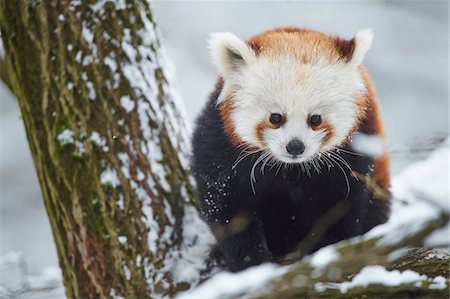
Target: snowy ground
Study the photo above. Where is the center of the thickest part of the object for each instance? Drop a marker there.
(408, 63)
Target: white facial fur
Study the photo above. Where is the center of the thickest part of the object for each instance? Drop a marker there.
(266, 84)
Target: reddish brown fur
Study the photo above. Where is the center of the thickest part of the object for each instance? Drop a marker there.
(226, 109)
(328, 131)
(373, 124)
(345, 48)
(263, 125)
(305, 44)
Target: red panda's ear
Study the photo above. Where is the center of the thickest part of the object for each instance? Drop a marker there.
(229, 52)
(363, 41)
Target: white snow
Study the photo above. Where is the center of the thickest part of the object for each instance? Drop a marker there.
(122, 240)
(369, 145)
(323, 257)
(17, 281)
(92, 94)
(2, 50)
(427, 179)
(439, 283)
(78, 56)
(10, 258)
(120, 202)
(371, 275)
(127, 272)
(420, 194)
(111, 62)
(109, 176)
(99, 140)
(197, 243)
(228, 285)
(89, 37)
(51, 277)
(99, 5)
(127, 103)
(152, 225)
(65, 137)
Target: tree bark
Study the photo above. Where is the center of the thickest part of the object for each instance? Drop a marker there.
(107, 137)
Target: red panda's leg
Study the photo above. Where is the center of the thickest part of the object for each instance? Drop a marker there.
(244, 246)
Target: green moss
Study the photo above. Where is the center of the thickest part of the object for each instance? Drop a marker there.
(360, 246)
(423, 261)
(381, 291)
(107, 186)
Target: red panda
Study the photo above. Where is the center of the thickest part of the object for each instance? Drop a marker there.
(272, 149)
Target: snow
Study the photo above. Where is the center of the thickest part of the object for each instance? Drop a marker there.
(92, 94)
(10, 258)
(323, 257)
(51, 277)
(153, 227)
(111, 62)
(65, 137)
(425, 200)
(127, 272)
(120, 202)
(109, 177)
(122, 240)
(433, 175)
(369, 145)
(16, 279)
(99, 5)
(438, 283)
(99, 140)
(2, 50)
(371, 275)
(197, 244)
(127, 103)
(229, 285)
(89, 38)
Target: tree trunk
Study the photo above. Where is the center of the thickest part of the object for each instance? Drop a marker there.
(107, 137)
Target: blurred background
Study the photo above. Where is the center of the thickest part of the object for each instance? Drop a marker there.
(408, 63)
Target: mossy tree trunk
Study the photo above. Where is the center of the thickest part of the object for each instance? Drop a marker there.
(107, 138)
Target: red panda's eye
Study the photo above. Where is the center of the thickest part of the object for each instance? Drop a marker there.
(315, 120)
(276, 119)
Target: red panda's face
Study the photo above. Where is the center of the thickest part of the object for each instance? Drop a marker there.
(290, 107)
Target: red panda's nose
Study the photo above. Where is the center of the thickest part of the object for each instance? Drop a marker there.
(295, 147)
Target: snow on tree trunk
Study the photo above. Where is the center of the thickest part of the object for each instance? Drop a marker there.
(108, 140)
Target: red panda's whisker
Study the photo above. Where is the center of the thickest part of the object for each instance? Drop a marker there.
(252, 172)
(344, 173)
(266, 155)
(349, 152)
(342, 160)
(242, 155)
